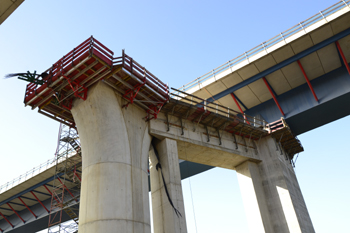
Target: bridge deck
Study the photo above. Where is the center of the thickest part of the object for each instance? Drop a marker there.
(275, 70)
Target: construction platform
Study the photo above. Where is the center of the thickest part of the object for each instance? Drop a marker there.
(71, 76)
(53, 93)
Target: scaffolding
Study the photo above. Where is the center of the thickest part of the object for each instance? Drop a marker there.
(65, 190)
(71, 77)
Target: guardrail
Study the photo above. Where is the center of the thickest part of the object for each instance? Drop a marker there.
(92, 47)
(142, 73)
(88, 47)
(267, 44)
(218, 109)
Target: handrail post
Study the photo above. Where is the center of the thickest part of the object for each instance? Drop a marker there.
(123, 57)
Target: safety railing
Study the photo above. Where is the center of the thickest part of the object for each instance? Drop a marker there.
(89, 47)
(268, 44)
(92, 47)
(218, 109)
(142, 73)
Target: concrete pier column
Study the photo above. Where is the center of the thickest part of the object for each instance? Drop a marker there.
(165, 219)
(115, 145)
(271, 194)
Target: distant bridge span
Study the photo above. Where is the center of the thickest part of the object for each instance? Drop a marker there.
(301, 74)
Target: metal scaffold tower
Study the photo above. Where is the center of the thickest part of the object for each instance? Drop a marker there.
(65, 190)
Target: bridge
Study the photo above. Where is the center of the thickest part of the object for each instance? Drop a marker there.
(199, 115)
(7, 7)
(300, 74)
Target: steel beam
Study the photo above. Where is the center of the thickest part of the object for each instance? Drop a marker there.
(42, 193)
(7, 220)
(30, 199)
(15, 212)
(39, 202)
(28, 190)
(342, 56)
(239, 107)
(1, 208)
(51, 193)
(65, 187)
(27, 207)
(273, 96)
(280, 65)
(308, 81)
(14, 203)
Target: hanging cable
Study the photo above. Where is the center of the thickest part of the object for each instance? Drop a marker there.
(165, 187)
(194, 214)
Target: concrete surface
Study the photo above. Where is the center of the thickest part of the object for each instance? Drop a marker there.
(165, 219)
(193, 145)
(271, 188)
(115, 144)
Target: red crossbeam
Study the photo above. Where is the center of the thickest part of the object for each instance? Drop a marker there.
(307, 80)
(65, 187)
(51, 193)
(27, 207)
(15, 212)
(7, 220)
(239, 107)
(273, 95)
(342, 56)
(39, 201)
(76, 174)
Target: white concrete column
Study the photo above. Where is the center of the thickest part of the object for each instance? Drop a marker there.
(165, 219)
(271, 194)
(115, 145)
(253, 196)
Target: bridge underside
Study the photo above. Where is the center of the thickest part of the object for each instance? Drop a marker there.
(303, 113)
(301, 74)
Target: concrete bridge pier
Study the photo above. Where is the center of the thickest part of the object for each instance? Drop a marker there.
(271, 194)
(164, 216)
(115, 144)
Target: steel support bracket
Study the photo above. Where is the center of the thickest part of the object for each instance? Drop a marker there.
(235, 141)
(218, 130)
(208, 137)
(245, 144)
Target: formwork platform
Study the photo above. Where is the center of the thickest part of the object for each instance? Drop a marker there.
(72, 75)
(197, 110)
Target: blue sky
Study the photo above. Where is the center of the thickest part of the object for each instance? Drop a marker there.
(177, 41)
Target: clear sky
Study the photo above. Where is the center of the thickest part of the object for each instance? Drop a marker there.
(178, 41)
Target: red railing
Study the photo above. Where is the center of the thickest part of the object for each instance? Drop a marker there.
(93, 48)
(89, 47)
(142, 73)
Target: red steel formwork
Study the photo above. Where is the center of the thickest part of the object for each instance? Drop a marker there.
(72, 75)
